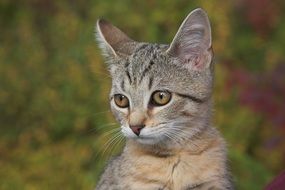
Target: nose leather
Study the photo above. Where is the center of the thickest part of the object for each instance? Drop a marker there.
(137, 129)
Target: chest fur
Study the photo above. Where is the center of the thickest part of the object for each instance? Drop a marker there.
(174, 172)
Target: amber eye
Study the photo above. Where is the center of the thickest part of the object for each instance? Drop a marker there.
(160, 98)
(121, 100)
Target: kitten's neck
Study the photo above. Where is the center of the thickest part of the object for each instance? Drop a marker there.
(194, 145)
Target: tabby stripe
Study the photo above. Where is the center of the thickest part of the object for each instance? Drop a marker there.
(195, 99)
(150, 82)
(135, 79)
(146, 70)
(142, 47)
(126, 65)
(123, 85)
(128, 75)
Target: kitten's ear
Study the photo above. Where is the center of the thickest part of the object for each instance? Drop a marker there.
(112, 40)
(192, 43)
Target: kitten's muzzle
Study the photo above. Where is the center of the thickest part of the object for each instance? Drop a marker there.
(137, 128)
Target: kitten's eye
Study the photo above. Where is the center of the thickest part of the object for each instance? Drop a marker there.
(121, 100)
(160, 98)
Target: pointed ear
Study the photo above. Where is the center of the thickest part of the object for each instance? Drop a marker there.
(112, 41)
(192, 43)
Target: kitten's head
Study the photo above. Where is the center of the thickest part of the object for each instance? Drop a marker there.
(160, 93)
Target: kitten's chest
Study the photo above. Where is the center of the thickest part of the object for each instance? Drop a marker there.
(173, 173)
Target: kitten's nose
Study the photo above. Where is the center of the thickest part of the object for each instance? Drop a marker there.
(137, 128)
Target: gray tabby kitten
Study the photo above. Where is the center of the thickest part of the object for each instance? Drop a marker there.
(161, 96)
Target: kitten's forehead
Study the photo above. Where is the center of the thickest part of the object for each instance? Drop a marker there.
(148, 50)
(151, 68)
(145, 57)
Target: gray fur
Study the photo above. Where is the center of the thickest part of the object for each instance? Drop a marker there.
(183, 68)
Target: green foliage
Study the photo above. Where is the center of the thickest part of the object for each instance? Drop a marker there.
(254, 175)
(54, 113)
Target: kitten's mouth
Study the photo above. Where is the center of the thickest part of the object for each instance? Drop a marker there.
(148, 139)
(146, 135)
(144, 138)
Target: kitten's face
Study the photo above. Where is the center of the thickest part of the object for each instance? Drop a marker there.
(161, 93)
(152, 92)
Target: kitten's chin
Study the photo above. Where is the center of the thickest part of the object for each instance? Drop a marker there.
(148, 141)
(144, 140)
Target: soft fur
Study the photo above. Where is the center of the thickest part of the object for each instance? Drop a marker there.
(178, 149)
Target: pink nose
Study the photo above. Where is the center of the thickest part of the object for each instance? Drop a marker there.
(137, 129)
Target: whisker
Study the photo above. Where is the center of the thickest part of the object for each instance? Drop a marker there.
(184, 135)
(116, 144)
(109, 132)
(93, 114)
(170, 137)
(174, 137)
(102, 127)
(99, 154)
(110, 143)
(101, 112)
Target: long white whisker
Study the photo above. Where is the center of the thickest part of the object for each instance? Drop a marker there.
(184, 135)
(174, 136)
(110, 142)
(112, 145)
(102, 127)
(115, 130)
(92, 115)
(117, 143)
(115, 133)
(171, 137)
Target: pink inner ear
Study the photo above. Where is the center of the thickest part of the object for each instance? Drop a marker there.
(196, 61)
(193, 61)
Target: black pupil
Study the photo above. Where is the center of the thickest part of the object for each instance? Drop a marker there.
(121, 98)
(161, 95)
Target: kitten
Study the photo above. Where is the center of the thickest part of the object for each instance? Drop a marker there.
(161, 96)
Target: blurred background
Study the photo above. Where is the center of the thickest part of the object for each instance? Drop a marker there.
(55, 122)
